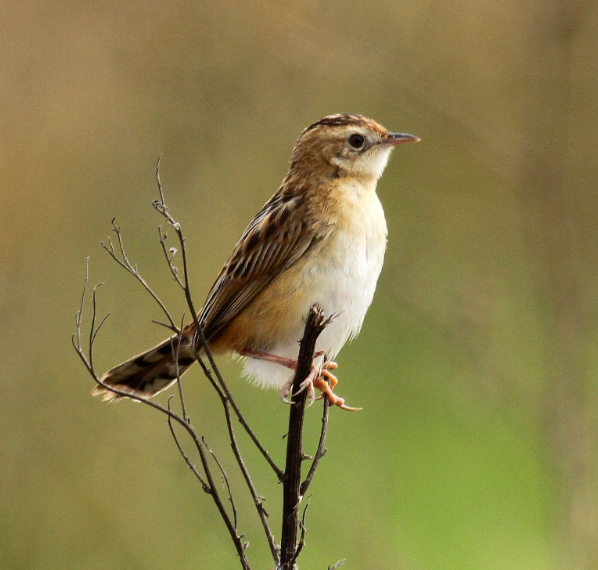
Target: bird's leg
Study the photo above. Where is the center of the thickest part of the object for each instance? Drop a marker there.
(287, 362)
(291, 363)
(285, 391)
(315, 378)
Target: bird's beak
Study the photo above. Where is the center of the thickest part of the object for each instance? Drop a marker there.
(399, 138)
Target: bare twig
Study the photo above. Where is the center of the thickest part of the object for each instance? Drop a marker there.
(169, 254)
(93, 331)
(162, 200)
(224, 480)
(191, 466)
(258, 501)
(284, 556)
(302, 528)
(166, 326)
(176, 351)
(208, 483)
(315, 321)
(219, 384)
(321, 451)
(126, 265)
(79, 314)
(292, 475)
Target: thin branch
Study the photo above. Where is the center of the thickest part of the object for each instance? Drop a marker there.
(292, 475)
(93, 331)
(286, 555)
(321, 451)
(257, 499)
(166, 326)
(191, 466)
(224, 480)
(303, 529)
(162, 200)
(218, 383)
(176, 351)
(126, 265)
(337, 565)
(169, 254)
(223, 391)
(209, 482)
(79, 314)
(93, 321)
(93, 338)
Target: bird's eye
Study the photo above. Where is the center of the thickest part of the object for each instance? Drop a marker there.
(356, 141)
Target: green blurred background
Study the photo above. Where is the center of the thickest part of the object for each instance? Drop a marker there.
(477, 364)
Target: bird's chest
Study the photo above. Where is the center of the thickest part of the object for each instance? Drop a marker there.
(347, 267)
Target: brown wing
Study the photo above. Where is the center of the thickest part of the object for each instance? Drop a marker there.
(276, 238)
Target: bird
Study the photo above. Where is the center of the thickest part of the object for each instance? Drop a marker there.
(321, 238)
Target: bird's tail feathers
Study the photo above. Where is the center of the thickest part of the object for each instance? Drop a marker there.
(149, 373)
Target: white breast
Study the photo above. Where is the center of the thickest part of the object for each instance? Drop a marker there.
(350, 277)
(342, 279)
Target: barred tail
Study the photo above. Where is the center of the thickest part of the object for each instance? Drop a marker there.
(148, 373)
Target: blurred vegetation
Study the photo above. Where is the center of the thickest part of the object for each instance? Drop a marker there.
(477, 365)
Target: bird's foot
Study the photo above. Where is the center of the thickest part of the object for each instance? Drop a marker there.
(319, 377)
(323, 380)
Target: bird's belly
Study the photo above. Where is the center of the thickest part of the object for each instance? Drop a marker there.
(344, 288)
(339, 274)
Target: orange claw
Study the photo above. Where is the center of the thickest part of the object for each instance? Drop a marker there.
(326, 389)
(332, 379)
(316, 380)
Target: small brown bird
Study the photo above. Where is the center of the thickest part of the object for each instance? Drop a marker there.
(320, 239)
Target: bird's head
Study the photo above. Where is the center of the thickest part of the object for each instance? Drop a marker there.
(346, 145)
